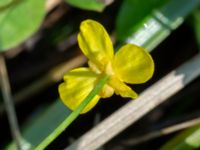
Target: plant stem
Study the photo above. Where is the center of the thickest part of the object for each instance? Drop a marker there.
(103, 80)
(7, 97)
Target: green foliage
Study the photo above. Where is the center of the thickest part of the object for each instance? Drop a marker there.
(4, 2)
(131, 13)
(19, 19)
(186, 140)
(87, 4)
(196, 25)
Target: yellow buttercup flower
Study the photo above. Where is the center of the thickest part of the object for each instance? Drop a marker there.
(131, 64)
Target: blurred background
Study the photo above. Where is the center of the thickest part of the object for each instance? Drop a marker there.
(38, 44)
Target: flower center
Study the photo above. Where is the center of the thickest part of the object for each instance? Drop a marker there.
(109, 69)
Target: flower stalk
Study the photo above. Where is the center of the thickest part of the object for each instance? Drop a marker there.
(98, 87)
(96, 90)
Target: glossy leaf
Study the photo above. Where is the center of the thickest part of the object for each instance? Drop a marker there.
(131, 13)
(19, 19)
(157, 25)
(149, 40)
(3, 3)
(188, 139)
(88, 4)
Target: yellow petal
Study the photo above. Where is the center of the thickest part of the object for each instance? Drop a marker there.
(78, 84)
(94, 67)
(95, 43)
(121, 88)
(133, 64)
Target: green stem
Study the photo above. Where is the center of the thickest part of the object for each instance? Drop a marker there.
(74, 114)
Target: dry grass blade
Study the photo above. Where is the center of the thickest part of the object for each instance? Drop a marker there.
(163, 131)
(8, 101)
(51, 4)
(134, 110)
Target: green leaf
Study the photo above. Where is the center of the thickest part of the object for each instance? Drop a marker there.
(160, 28)
(155, 26)
(196, 24)
(95, 5)
(19, 19)
(188, 139)
(131, 13)
(4, 2)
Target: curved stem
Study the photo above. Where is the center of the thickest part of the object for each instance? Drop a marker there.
(103, 80)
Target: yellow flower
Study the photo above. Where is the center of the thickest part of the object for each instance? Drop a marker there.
(131, 64)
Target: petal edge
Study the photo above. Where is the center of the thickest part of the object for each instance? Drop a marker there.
(95, 43)
(78, 84)
(133, 64)
(122, 89)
